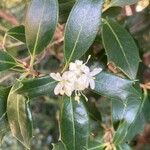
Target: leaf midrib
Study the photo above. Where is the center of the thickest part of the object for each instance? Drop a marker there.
(43, 85)
(121, 47)
(7, 62)
(39, 28)
(73, 124)
(78, 36)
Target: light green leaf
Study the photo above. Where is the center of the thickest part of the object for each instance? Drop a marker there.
(120, 48)
(6, 61)
(123, 147)
(4, 127)
(74, 125)
(18, 33)
(19, 116)
(81, 28)
(122, 2)
(37, 87)
(40, 23)
(95, 146)
(58, 146)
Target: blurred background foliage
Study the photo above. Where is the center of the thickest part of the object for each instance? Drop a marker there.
(45, 110)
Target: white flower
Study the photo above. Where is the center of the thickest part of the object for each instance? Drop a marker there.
(87, 79)
(78, 78)
(64, 86)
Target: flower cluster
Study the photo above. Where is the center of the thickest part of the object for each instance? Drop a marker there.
(77, 78)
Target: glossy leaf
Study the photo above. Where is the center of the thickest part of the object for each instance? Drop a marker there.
(40, 23)
(126, 102)
(81, 28)
(112, 86)
(120, 48)
(6, 61)
(4, 127)
(19, 116)
(122, 2)
(18, 33)
(132, 107)
(38, 86)
(74, 125)
(130, 115)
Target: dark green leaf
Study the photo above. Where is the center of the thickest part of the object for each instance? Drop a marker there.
(81, 28)
(38, 86)
(132, 107)
(40, 24)
(19, 116)
(6, 61)
(131, 118)
(120, 48)
(4, 127)
(64, 9)
(18, 33)
(122, 2)
(93, 111)
(126, 102)
(74, 125)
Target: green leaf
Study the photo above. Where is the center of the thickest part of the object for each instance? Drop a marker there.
(142, 118)
(132, 107)
(37, 87)
(40, 23)
(74, 125)
(19, 116)
(6, 61)
(123, 147)
(126, 102)
(64, 9)
(120, 48)
(129, 113)
(112, 86)
(81, 28)
(58, 146)
(94, 145)
(122, 2)
(18, 33)
(93, 112)
(4, 127)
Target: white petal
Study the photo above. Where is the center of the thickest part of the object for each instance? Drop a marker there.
(56, 76)
(69, 88)
(95, 71)
(92, 84)
(82, 83)
(79, 62)
(72, 66)
(85, 69)
(58, 88)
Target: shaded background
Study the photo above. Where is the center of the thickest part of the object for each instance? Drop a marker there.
(45, 110)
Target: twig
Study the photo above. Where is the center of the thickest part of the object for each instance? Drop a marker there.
(6, 77)
(145, 86)
(9, 17)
